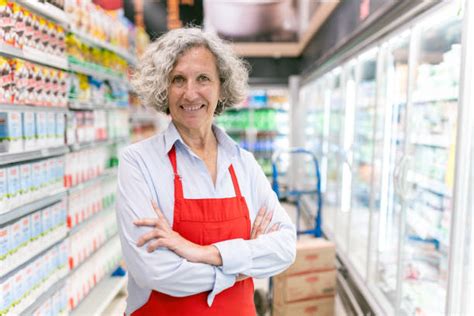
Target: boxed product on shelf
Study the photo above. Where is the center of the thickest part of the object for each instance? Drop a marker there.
(6, 80)
(313, 254)
(321, 307)
(29, 130)
(5, 239)
(311, 278)
(292, 288)
(13, 180)
(3, 189)
(11, 132)
(6, 294)
(41, 129)
(7, 30)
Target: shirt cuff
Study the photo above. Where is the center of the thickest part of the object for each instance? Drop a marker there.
(223, 281)
(236, 256)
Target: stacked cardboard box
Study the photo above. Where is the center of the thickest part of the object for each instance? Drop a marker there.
(308, 287)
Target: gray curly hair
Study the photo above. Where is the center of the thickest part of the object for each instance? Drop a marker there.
(151, 80)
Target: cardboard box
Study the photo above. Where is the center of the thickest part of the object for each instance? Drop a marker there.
(318, 307)
(313, 254)
(303, 286)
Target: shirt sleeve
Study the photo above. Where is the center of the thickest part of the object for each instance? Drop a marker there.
(161, 270)
(271, 253)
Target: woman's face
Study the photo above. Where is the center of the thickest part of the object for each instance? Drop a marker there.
(194, 89)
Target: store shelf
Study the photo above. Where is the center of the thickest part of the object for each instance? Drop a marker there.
(84, 223)
(46, 9)
(94, 73)
(30, 256)
(101, 296)
(35, 56)
(430, 99)
(8, 158)
(32, 108)
(250, 108)
(98, 43)
(43, 297)
(75, 105)
(88, 145)
(431, 141)
(108, 173)
(25, 209)
(429, 184)
(41, 57)
(10, 50)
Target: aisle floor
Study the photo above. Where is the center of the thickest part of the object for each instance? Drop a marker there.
(117, 307)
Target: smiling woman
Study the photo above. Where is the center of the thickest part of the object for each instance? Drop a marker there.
(194, 249)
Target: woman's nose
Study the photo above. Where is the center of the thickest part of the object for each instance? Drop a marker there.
(191, 91)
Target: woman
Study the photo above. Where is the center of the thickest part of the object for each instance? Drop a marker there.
(187, 197)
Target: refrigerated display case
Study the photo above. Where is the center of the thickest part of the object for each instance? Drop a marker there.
(335, 149)
(398, 207)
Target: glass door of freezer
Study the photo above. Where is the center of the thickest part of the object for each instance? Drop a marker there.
(432, 115)
(389, 153)
(332, 199)
(343, 214)
(363, 163)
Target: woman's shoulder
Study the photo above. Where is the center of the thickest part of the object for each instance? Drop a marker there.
(146, 147)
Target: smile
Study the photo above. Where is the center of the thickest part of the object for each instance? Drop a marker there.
(192, 108)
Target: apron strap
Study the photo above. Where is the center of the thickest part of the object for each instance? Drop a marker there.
(178, 185)
(234, 181)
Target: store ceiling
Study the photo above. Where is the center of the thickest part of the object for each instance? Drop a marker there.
(258, 28)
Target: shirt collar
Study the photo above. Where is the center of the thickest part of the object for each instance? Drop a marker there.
(171, 136)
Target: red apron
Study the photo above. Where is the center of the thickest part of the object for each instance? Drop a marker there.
(204, 222)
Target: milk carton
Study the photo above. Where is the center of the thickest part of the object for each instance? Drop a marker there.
(36, 225)
(13, 180)
(11, 132)
(25, 182)
(3, 190)
(41, 129)
(5, 242)
(29, 130)
(6, 294)
(60, 128)
(36, 177)
(50, 129)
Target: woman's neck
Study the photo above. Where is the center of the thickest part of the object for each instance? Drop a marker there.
(200, 141)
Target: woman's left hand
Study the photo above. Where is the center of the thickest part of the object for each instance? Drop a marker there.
(163, 235)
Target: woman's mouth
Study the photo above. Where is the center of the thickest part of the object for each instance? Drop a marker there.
(192, 108)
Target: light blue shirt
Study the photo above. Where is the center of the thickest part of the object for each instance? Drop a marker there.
(145, 173)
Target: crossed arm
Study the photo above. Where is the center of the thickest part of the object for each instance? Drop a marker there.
(162, 235)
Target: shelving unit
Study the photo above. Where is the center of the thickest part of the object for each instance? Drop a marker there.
(261, 124)
(101, 296)
(36, 298)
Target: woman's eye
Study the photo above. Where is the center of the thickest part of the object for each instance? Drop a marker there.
(178, 80)
(203, 78)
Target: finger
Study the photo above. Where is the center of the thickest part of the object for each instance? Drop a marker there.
(143, 239)
(266, 221)
(146, 222)
(274, 228)
(157, 210)
(257, 222)
(155, 244)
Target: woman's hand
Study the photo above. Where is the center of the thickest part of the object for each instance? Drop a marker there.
(261, 223)
(163, 235)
